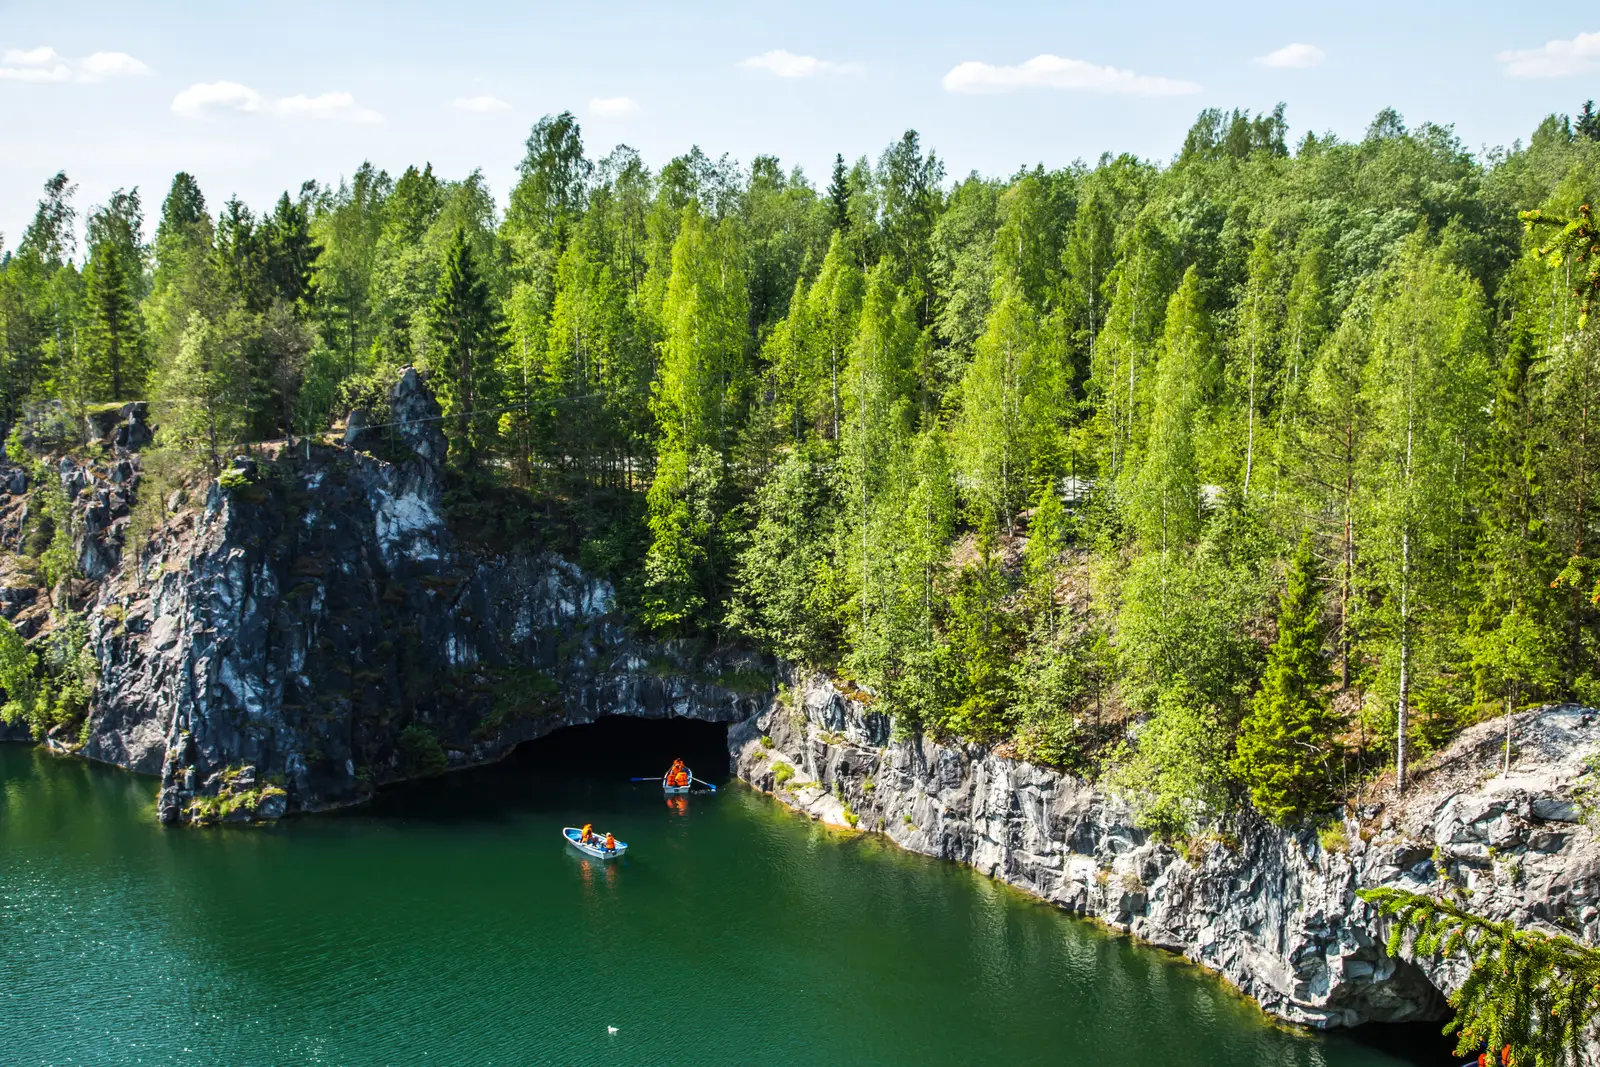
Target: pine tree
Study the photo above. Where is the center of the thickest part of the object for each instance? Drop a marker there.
(1287, 741)
(467, 336)
(1588, 122)
(839, 194)
(290, 251)
(1530, 999)
(113, 280)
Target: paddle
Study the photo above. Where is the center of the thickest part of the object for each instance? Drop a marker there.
(652, 778)
(703, 782)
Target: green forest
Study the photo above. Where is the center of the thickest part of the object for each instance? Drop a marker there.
(1249, 474)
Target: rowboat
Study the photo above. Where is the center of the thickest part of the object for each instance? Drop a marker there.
(597, 850)
(674, 790)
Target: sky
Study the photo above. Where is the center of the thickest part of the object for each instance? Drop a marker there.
(254, 98)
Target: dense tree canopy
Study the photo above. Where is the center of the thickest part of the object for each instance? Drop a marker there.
(1025, 458)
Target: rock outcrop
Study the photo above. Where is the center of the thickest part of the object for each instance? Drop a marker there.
(1273, 912)
(313, 629)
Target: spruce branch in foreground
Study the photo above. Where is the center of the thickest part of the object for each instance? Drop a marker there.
(1532, 998)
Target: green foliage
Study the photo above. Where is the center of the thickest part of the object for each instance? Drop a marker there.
(420, 752)
(1534, 995)
(57, 559)
(1166, 493)
(1287, 743)
(48, 686)
(1575, 245)
(467, 332)
(1018, 459)
(786, 583)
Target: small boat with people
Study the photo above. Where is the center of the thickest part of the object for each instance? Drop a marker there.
(600, 846)
(677, 779)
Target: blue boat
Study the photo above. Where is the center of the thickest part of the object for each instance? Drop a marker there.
(598, 851)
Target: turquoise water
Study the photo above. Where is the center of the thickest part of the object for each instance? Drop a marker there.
(450, 924)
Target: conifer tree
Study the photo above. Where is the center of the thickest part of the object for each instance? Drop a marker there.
(1531, 999)
(113, 280)
(839, 193)
(1287, 741)
(467, 336)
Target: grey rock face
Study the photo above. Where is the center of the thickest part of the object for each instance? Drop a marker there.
(1275, 913)
(317, 630)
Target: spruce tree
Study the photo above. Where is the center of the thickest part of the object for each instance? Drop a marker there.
(1288, 738)
(1531, 999)
(839, 194)
(467, 335)
(112, 282)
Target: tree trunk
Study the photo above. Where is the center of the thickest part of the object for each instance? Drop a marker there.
(1401, 715)
(1250, 432)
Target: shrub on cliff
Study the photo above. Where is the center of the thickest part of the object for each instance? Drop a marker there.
(420, 752)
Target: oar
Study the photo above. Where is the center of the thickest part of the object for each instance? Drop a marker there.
(652, 778)
(703, 782)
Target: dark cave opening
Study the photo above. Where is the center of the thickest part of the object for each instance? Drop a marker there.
(598, 755)
(1420, 1043)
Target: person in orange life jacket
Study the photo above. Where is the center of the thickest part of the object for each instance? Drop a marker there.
(588, 833)
(611, 842)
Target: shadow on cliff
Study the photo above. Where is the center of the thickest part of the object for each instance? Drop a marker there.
(549, 770)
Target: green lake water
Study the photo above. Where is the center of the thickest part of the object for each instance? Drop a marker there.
(449, 924)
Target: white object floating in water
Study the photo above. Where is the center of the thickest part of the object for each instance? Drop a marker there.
(611, 1029)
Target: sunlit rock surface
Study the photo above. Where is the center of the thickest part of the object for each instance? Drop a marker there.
(1273, 912)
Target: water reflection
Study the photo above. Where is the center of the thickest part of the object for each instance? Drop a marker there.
(384, 938)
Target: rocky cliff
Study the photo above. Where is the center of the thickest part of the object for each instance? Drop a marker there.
(1273, 912)
(312, 628)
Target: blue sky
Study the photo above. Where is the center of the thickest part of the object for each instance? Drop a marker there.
(255, 97)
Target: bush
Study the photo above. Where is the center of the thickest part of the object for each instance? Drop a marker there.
(1333, 838)
(421, 753)
(781, 773)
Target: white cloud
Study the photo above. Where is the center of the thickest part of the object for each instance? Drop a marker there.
(1296, 56)
(613, 107)
(786, 64)
(209, 100)
(104, 65)
(45, 64)
(1557, 59)
(43, 56)
(481, 103)
(205, 100)
(336, 106)
(1054, 72)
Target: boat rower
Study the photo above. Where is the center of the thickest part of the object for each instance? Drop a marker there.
(611, 841)
(587, 837)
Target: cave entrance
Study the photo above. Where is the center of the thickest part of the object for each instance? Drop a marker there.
(623, 746)
(1420, 1043)
(588, 765)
